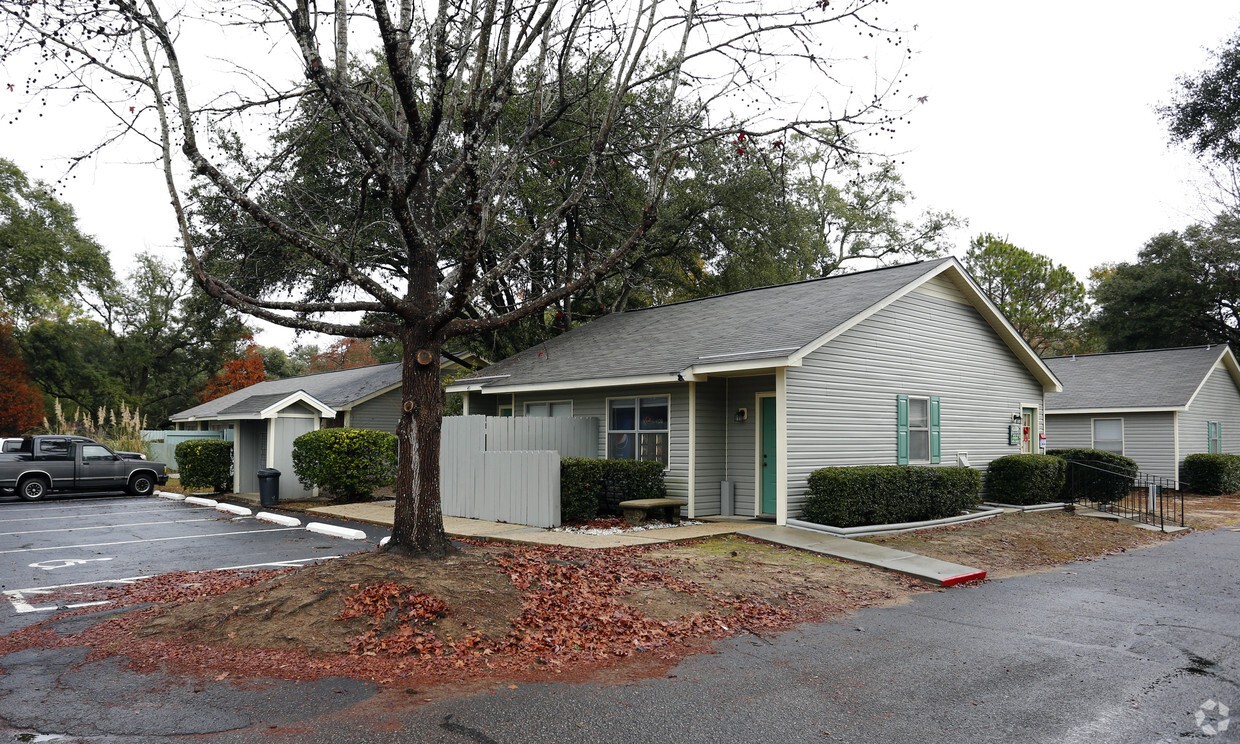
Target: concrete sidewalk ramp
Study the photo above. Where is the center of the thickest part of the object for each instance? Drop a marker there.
(930, 570)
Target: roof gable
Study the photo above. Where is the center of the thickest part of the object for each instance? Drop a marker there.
(1155, 380)
(339, 390)
(752, 329)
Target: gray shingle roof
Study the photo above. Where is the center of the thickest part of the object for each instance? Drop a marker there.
(766, 322)
(1162, 378)
(337, 389)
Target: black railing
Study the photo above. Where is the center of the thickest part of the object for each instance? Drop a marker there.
(1141, 497)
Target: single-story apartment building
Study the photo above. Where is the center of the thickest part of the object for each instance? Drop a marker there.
(1156, 406)
(743, 395)
(266, 417)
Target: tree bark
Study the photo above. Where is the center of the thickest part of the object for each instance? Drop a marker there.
(417, 527)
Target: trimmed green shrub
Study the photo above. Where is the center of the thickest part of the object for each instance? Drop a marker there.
(590, 487)
(349, 464)
(581, 488)
(1211, 475)
(889, 494)
(1025, 479)
(206, 463)
(1104, 476)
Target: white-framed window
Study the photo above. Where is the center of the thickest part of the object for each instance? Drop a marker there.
(918, 429)
(1109, 434)
(549, 408)
(1214, 443)
(638, 428)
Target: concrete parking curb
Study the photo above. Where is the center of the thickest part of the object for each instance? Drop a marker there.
(233, 509)
(330, 529)
(198, 500)
(170, 496)
(278, 519)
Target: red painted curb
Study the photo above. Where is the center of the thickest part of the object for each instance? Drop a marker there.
(962, 578)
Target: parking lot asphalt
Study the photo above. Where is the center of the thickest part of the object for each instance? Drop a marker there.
(81, 540)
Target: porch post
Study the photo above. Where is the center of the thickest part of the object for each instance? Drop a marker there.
(781, 445)
(692, 449)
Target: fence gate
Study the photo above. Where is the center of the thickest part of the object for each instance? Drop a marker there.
(507, 469)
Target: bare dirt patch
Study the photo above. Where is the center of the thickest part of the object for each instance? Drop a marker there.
(490, 611)
(1212, 512)
(1023, 542)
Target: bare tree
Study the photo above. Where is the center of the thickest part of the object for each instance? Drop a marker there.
(441, 122)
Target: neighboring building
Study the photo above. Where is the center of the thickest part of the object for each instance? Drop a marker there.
(750, 392)
(1156, 407)
(266, 417)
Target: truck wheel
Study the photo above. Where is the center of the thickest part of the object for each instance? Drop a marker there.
(33, 488)
(141, 485)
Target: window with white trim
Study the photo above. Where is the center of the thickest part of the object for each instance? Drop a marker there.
(637, 429)
(918, 429)
(1214, 435)
(1109, 435)
(549, 408)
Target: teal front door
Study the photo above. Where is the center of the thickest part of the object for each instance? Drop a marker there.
(767, 464)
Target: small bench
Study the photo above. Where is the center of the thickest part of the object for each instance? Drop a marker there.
(638, 510)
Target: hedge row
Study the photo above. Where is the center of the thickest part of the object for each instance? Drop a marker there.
(1212, 475)
(1104, 476)
(590, 487)
(889, 494)
(349, 464)
(1025, 479)
(206, 463)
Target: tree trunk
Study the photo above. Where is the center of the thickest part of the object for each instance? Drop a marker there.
(417, 529)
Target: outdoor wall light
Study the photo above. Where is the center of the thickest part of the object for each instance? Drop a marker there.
(741, 415)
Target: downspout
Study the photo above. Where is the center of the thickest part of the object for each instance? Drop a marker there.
(1175, 428)
(692, 449)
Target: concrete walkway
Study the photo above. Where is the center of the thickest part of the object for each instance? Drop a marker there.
(930, 570)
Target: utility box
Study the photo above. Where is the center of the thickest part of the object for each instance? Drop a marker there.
(727, 490)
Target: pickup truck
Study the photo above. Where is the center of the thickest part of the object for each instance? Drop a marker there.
(14, 444)
(45, 464)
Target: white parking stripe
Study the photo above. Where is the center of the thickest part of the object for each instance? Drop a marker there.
(108, 526)
(170, 508)
(153, 539)
(18, 596)
(60, 506)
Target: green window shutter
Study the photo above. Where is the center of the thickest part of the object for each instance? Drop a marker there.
(1218, 437)
(902, 430)
(935, 438)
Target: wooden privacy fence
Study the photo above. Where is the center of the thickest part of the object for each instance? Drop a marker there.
(506, 469)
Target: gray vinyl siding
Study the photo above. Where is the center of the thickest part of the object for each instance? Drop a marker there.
(742, 443)
(250, 453)
(484, 405)
(593, 402)
(298, 409)
(1218, 400)
(1149, 438)
(284, 431)
(381, 413)
(842, 400)
(710, 459)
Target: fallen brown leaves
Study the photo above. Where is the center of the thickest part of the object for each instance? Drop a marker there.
(525, 610)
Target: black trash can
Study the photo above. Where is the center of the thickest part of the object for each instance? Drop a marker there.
(269, 487)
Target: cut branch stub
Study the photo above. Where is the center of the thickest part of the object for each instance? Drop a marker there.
(424, 356)
(408, 406)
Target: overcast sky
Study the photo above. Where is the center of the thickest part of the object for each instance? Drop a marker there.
(1039, 124)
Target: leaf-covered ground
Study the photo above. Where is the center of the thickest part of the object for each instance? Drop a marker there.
(490, 611)
(504, 612)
